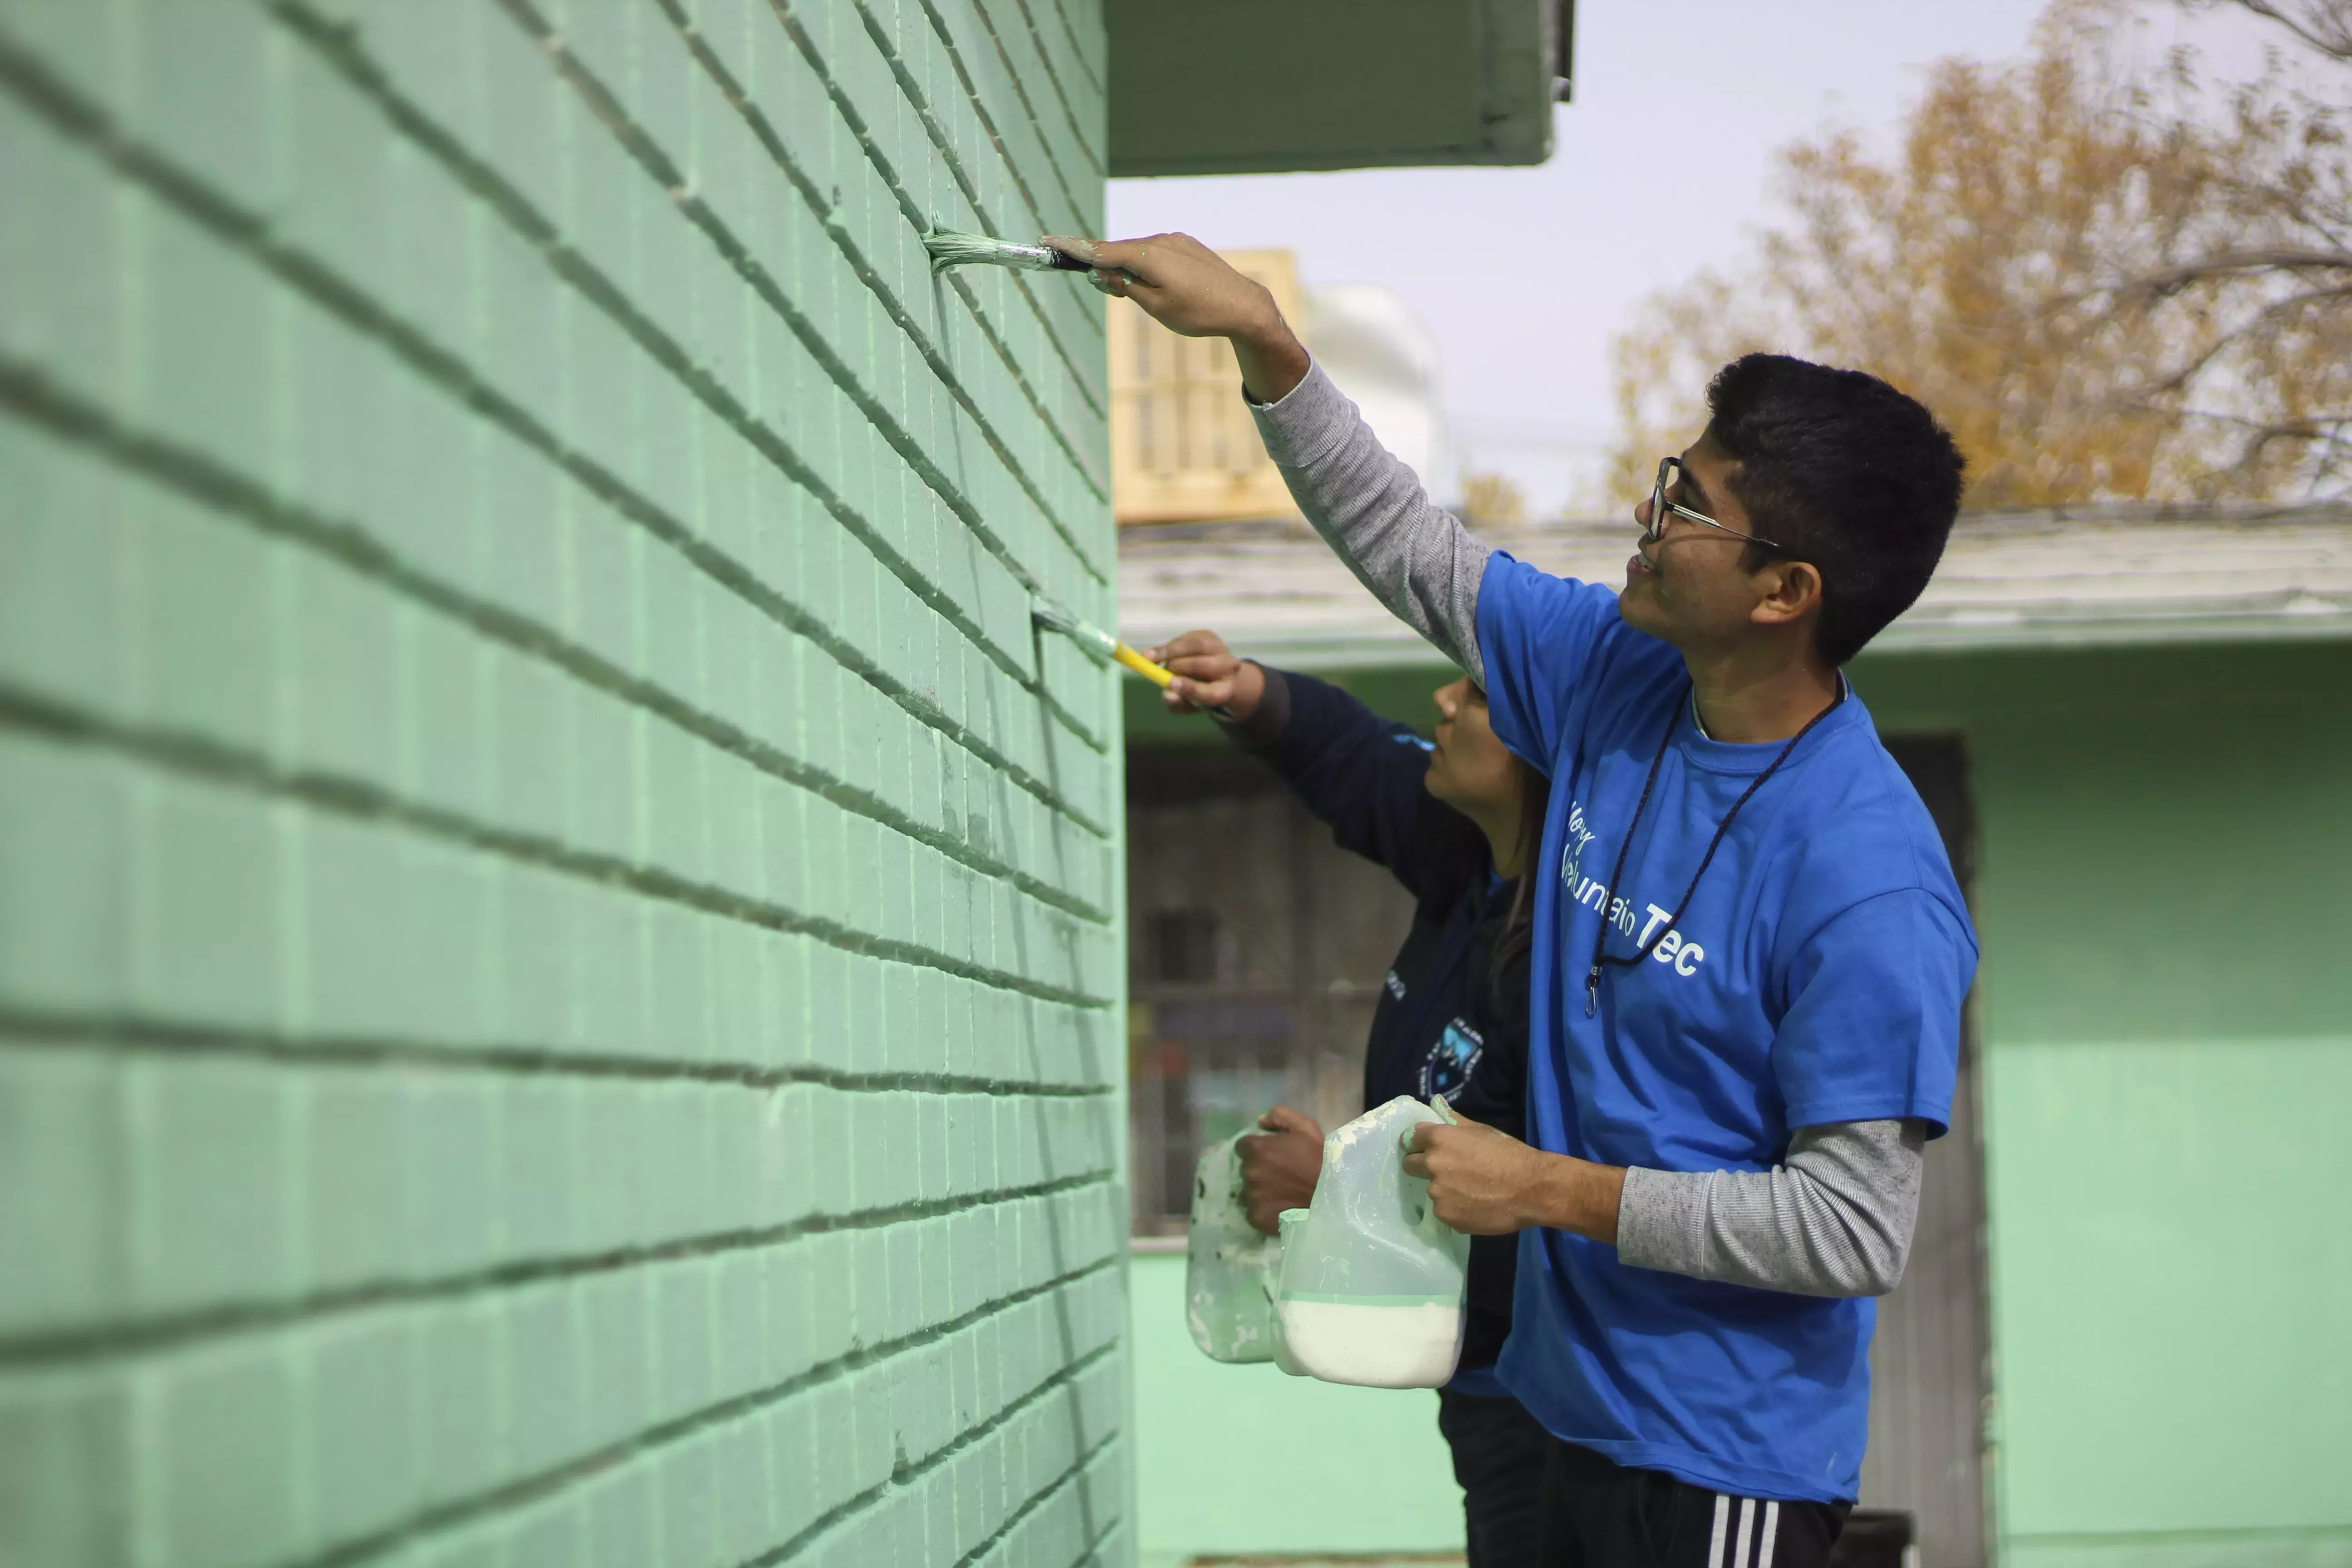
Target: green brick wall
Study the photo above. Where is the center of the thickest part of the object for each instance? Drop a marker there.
(557, 952)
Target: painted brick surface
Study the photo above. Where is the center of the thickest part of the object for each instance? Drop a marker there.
(558, 962)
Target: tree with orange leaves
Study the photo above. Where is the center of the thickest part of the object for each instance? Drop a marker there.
(2071, 263)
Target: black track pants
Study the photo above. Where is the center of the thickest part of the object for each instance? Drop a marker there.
(1499, 1453)
(1597, 1514)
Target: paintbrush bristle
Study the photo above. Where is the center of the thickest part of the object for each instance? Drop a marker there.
(1051, 615)
(1054, 617)
(948, 248)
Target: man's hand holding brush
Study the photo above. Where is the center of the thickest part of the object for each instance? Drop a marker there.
(1193, 291)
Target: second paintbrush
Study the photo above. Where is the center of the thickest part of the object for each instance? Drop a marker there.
(1056, 617)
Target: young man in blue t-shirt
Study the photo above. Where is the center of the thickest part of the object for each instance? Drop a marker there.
(1749, 951)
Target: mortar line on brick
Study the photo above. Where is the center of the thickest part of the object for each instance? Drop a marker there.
(980, 107)
(649, 156)
(943, 143)
(161, 1335)
(1013, 169)
(34, 87)
(849, 112)
(934, 355)
(764, 133)
(902, 1475)
(533, 641)
(345, 56)
(606, 105)
(1079, 49)
(584, 275)
(916, 216)
(27, 393)
(201, 757)
(1087, 215)
(937, 357)
(1052, 78)
(1045, 1494)
(1096, 327)
(135, 1034)
(549, 1482)
(890, 52)
(851, 1508)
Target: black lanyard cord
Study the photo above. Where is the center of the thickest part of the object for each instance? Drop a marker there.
(1609, 894)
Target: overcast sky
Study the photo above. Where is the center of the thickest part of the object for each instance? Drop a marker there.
(1660, 168)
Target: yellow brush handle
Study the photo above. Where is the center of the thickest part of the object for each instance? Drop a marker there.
(1141, 665)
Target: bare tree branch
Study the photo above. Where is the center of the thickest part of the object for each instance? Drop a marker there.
(2323, 24)
(2107, 281)
(2223, 264)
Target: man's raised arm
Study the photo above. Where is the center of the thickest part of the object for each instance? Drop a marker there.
(1416, 558)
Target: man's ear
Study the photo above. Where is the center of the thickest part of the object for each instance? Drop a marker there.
(1792, 590)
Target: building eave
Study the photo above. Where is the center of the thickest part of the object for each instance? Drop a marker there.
(2105, 577)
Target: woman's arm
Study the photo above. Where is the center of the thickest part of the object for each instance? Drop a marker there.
(1357, 772)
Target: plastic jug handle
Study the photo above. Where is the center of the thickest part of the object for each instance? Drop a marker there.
(1444, 1113)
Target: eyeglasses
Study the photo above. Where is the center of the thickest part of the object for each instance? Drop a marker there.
(1670, 474)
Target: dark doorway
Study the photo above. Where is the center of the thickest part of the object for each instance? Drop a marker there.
(1258, 954)
(1928, 1366)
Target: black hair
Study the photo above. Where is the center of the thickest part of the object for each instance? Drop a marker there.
(1839, 469)
(1518, 932)
(1459, 858)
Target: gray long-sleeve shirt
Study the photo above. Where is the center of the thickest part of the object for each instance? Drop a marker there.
(1835, 1217)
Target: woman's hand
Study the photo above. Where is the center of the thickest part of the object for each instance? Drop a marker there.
(1208, 676)
(1191, 290)
(1279, 1167)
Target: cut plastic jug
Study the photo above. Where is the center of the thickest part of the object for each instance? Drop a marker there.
(1291, 1221)
(1369, 1287)
(1229, 1264)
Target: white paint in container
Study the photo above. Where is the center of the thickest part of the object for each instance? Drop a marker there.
(1374, 1346)
(1371, 1281)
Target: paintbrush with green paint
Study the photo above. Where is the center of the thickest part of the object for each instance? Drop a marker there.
(948, 248)
(1056, 617)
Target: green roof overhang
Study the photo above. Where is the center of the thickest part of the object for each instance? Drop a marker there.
(1246, 86)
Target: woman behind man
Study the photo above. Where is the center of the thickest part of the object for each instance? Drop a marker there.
(1456, 824)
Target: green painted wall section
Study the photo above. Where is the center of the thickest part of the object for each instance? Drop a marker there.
(1331, 84)
(2167, 1017)
(2163, 830)
(559, 936)
(1246, 1459)
(2170, 1304)
(2164, 850)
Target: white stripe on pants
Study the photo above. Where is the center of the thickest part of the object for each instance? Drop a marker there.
(1735, 1533)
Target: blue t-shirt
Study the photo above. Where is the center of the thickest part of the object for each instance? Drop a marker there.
(1816, 977)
